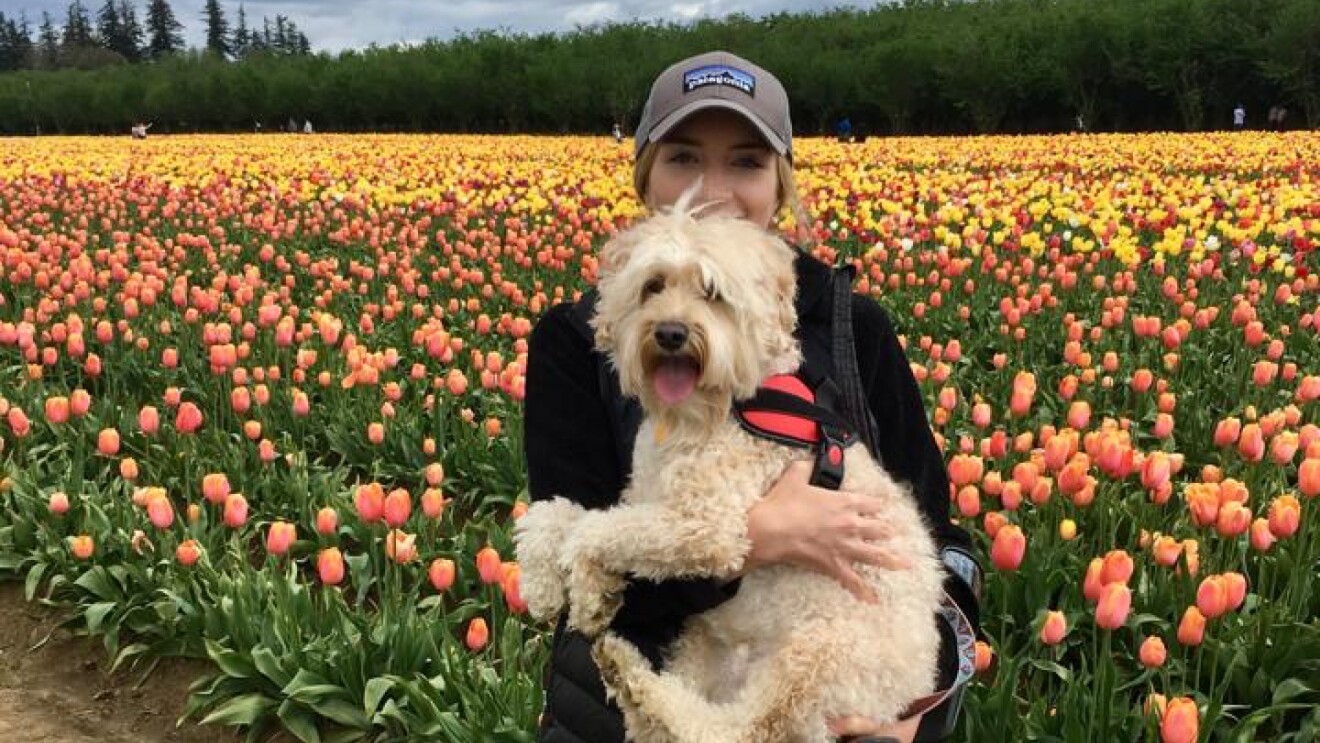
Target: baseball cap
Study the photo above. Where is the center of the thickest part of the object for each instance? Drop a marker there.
(717, 79)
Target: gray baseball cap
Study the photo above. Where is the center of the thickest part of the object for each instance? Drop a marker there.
(717, 80)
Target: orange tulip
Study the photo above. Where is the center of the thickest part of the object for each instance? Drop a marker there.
(1227, 432)
(1308, 477)
(327, 521)
(161, 511)
(149, 420)
(435, 474)
(400, 546)
(1285, 516)
(1115, 603)
(1212, 597)
(376, 433)
(1116, 568)
(1262, 538)
(1191, 630)
(488, 565)
(58, 504)
(477, 634)
(1092, 585)
(82, 547)
(1181, 722)
(441, 573)
(1153, 653)
(215, 488)
(107, 442)
(330, 566)
(1008, 549)
(80, 401)
(1236, 584)
(236, 510)
(985, 655)
(1054, 628)
(1166, 550)
(965, 469)
(397, 508)
(370, 502)
(188, 552)
(57, 410)
(188, 419)
(1155, 471)
(280, 537)
(1251, 444)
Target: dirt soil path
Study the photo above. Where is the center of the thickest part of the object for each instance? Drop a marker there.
(62, 692)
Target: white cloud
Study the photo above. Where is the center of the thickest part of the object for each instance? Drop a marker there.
(334, 25)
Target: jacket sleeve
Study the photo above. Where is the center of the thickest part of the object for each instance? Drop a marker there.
(907, 445)
(567, 434)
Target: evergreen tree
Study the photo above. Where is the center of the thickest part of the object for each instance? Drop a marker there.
(107, 25)
(15, 43)
(240, 45)
(48, 44)
(163, 29)
(217, 29)
(130, 32)
(77, 27)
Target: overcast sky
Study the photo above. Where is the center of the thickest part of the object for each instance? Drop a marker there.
(333, 25)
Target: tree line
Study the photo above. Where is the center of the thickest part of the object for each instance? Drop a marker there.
(920, 66)
(117, 37)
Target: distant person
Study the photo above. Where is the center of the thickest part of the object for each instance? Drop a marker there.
(1272, 118)
(139, 130)
(618, 133)
(843, 129)
(1283, 117)
(1081, 123)
(307, 126)
(292, 127)
(1239, 117)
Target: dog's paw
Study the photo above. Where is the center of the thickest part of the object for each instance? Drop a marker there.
(539, 537)
(594, 596)
(622, 666)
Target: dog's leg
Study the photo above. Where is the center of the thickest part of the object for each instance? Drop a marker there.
(657, 708)
(539, 539)
(648, 541)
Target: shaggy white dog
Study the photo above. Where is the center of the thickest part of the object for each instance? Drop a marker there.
(694, 314)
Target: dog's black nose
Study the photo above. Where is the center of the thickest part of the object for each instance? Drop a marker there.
(671, 335)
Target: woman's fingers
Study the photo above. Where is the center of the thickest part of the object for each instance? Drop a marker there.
(855, 584)
(880, 557)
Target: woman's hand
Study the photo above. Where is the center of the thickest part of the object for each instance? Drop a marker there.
(819, 529)
(903, 731)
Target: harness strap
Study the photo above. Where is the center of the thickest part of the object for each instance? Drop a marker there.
(966, 651)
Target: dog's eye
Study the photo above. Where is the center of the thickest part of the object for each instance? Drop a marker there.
(712, 293)
(653, 287)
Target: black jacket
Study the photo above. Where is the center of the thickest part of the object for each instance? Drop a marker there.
(572, 452)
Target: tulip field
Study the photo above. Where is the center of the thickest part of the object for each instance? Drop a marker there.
(260, 405)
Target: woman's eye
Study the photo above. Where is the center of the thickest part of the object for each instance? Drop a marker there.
(682, 158)
(653, 287)
(750, 163)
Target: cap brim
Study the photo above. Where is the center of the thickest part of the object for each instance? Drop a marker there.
(682, 113)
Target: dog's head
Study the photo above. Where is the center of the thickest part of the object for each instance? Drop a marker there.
(694, 313)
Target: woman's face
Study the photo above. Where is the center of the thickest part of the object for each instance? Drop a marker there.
(736, 167)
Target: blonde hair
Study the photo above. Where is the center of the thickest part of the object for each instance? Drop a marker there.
(788, 195)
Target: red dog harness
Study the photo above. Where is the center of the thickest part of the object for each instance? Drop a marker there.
(787, 409)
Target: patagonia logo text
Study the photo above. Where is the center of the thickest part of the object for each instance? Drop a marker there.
(719, 75)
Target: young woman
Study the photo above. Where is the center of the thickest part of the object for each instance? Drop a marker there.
(724, 120)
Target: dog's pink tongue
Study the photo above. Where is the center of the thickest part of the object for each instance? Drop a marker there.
(674, 380)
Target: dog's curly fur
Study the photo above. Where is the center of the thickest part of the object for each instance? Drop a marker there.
(793, 647)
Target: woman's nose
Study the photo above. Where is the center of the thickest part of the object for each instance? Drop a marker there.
(716, 191)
